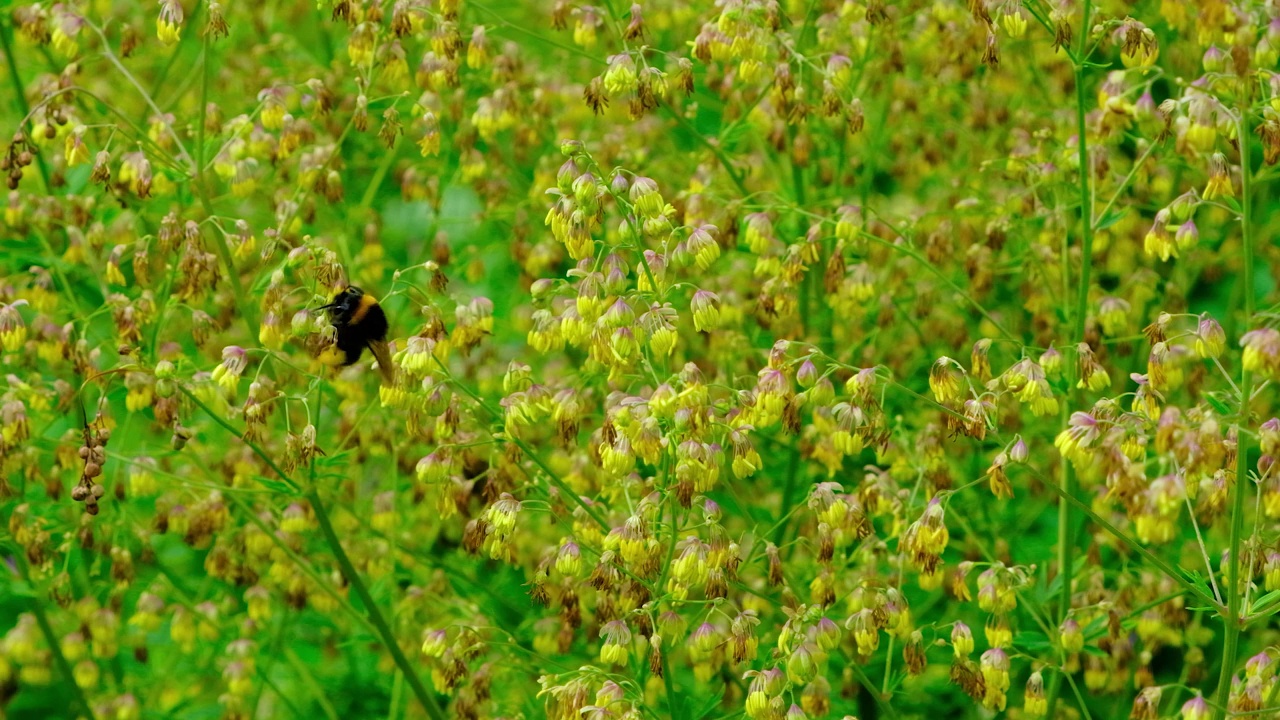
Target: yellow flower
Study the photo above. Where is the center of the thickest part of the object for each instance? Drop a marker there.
(169, 22)
(75, 150)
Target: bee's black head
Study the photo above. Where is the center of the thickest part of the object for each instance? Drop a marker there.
(345, 302)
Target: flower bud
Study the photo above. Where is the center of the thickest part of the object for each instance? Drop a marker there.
(1035, 704)
(1196, 709)
(1187, 235)
(1210, 338)
(961, 639)
(802, 666)
(434, 643)
(1018, 453)
(1214, 61)
(706, 310)
(1070, 636)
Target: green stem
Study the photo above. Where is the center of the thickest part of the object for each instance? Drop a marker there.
(886, 708)
(55, 647)
(55, 267)
(1084, 707)
(204, 106)
(528, 451)
(675, 524)
(515, 27)
(905, 249)
(19, 91)
(560, 485)
(1088, 512)
(427, 700)
(371, 190)
(366, 201)
(138, 136)
(809, 285)
(190, 23)
(1066, 543)
(1039, 15)
(231, 429)
(1137, 165)
(309, 681)
(1086, 209)
(151, 103)
(397, 691)
(344, 564)
(673, 700)
(325, 586)
(788, 490)
(154, 347)
(1232, 620)
(375, 615)
(1154, 559)
(264, 669)
(282, 696)
(247, 313)
(715, 149)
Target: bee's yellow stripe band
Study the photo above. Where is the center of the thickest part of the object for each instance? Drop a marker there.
(366, 301)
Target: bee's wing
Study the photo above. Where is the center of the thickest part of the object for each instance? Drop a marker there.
(383, 355)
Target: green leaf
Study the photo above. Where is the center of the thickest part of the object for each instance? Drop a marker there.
(1032, 640)
(1266, 603)
(1112, 217)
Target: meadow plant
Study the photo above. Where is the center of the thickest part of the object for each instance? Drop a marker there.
(779, 358)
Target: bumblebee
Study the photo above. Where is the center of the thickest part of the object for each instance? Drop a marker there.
(359, 322)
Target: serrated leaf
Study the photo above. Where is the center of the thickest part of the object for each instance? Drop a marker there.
(1217, 405)
(1267, 604)
(1263, 600)
(274, 485)
(733, 135)
(18, 588)
(1055, 585)
(1095, 625)
(1111, 218)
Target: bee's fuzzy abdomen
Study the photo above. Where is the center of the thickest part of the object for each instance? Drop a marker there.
(359, 321)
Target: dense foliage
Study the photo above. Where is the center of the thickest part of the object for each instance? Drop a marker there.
(787, 358)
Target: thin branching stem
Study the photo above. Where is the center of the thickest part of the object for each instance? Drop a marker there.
(353, 577)
(1232, 619)
(55, 646)
(1066, 487)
